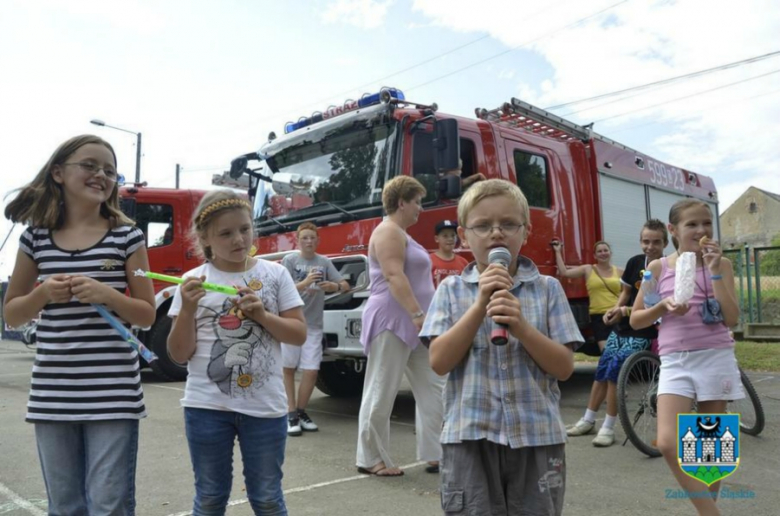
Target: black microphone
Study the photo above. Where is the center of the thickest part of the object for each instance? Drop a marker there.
(500, 255)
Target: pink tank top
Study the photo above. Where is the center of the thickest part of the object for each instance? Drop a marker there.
(688, 332)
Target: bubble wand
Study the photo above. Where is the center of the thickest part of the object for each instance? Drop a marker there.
(126, 334)
(222, 289)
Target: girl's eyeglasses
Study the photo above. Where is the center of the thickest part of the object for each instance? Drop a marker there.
(92, 170)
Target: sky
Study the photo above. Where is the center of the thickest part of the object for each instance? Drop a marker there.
(205, 81)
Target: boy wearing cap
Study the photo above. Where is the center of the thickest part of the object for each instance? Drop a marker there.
(444, 260)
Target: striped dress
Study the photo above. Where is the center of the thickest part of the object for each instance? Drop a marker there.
(84, 370)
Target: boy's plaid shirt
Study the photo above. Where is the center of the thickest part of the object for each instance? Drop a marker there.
(498, 393)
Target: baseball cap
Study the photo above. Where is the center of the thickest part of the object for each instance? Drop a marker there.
(445, 224)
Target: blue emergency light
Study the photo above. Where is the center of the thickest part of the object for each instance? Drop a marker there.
(384, 95)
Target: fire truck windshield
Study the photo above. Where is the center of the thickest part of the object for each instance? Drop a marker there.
(340, 169)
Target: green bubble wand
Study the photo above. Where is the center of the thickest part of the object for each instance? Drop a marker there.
(214, 287)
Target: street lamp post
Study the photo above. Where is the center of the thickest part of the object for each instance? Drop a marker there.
(137, 147)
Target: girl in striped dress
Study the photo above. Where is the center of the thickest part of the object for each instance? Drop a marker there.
(85, 397)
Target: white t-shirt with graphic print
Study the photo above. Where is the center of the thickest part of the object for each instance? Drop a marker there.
(237, 365)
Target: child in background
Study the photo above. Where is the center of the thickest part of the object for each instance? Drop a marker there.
(697, 352)
(85, 398)
(314, 276)
(444, 260)
(503, 437)
(623, 341)
(232, 346)
(465, 182)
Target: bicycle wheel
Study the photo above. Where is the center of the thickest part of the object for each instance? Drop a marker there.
(751, 419)
(637, 392)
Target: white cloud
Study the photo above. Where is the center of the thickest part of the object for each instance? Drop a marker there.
(365, 14)
(506, 73)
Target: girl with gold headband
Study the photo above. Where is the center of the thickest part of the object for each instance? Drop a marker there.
(232, 348)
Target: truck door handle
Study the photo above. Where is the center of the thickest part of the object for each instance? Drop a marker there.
(172, 270)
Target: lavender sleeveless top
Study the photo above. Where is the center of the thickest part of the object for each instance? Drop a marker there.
(688, 332)
(382, 312)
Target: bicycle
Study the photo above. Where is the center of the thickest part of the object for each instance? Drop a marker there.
(637, 392)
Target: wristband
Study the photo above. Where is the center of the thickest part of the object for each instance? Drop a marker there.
(715, 277)
(417, 314)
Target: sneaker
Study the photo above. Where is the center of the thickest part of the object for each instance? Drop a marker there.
(605, 437)
(293, 426)
(582, 427)
(306, 423)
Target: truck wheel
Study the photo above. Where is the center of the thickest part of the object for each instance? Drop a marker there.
(164, 366)
(339, 379)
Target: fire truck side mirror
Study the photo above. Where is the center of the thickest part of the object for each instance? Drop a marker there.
(238, 167)
(450, 187)
(446, 145)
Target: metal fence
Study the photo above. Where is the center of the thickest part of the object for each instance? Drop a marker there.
(757, 277)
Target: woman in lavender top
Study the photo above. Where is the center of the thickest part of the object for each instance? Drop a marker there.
(401, 291)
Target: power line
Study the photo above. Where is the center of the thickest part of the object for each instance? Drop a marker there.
(205, 169)
(278, 113)
(581, 20)
(416, 65)
(698, 111)
(687, 96)
(662, 82)
(398, 72)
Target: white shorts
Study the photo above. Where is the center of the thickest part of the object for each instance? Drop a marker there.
(307, 356)
(703, 375)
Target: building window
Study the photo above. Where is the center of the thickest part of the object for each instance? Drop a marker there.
(752, 207)
(531, 171)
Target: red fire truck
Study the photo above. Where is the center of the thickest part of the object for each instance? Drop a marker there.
(165, 216)
(330, 168)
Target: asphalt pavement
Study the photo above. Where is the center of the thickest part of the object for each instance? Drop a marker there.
(321, 478)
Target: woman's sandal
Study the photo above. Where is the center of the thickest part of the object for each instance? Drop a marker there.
(378, 473)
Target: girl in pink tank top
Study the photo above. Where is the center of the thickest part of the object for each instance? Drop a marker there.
(697, 352)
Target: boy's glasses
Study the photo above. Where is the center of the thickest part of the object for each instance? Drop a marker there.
(92, 170)
(507, 228)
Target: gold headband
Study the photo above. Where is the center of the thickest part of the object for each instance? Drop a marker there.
(227, 203)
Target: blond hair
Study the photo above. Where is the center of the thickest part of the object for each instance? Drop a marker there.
(41, 203)
(492, 188)
(400, 188)
(215, 202)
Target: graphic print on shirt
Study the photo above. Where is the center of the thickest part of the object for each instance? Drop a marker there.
(241, 358)
(303, 271)
(440, 273)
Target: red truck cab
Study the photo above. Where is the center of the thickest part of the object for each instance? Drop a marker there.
(165, 217)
